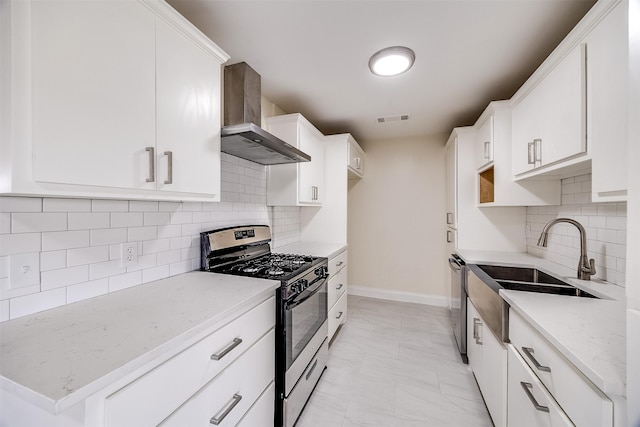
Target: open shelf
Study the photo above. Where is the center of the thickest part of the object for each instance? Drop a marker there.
(486, 186)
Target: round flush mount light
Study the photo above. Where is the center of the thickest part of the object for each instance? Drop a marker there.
(391, 61)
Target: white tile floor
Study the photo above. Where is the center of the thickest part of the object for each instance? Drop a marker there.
(395, 364)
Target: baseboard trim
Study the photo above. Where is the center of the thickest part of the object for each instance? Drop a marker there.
(402, 296)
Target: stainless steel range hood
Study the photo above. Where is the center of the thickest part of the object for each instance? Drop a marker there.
(241, 136)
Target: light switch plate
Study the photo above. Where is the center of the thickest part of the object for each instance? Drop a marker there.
(24, 270)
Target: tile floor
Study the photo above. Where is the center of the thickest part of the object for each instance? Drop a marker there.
(395, 364)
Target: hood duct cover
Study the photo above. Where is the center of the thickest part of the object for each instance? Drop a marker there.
(241, 136)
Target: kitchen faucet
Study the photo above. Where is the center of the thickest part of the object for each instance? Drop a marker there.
(586, 266)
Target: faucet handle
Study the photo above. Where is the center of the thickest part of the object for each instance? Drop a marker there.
(592, 266)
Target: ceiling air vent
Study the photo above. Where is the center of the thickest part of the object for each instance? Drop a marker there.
(393, 118)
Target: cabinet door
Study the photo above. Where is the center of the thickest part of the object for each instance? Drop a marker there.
(474, 340)
(553, 114)
(310, 174)
(93, 109)
(451, 164)
(529, 403)
(356, 159)
(484, 144)
(188, 109)
(607, 112)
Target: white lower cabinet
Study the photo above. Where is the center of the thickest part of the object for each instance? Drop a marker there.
(529, 403)
(229, 395)
(488, 360)
(261, 413)
(579, 399)
(237, 359)
(337, 293)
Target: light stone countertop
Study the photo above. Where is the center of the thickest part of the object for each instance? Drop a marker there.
(590, 333)
(320, 249)
(59, 357)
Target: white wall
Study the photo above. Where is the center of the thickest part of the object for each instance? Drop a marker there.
(77, 241)
(605, 224)
(395, 219)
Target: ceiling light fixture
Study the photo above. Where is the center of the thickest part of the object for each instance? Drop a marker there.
(391, 61)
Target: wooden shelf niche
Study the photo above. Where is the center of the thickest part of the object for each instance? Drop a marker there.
(486, 186)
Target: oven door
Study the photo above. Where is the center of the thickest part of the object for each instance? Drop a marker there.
(304, 316)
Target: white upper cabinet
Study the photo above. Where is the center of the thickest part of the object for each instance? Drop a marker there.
(296, 184)
(93, 110)
(549, 120)
(607, 99)
(125, 102)
(484, 143)
(188, 111)
(356, 159)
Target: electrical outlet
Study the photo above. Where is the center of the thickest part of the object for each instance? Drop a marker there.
(24, 270)
(129, 254)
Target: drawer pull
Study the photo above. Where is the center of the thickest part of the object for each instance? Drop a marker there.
(217, 356)
(225, 411)
(339, 264)
(339, 286)
(476, 333)
(311, 370)
(529, 352)
(339, 315)
(527, 389)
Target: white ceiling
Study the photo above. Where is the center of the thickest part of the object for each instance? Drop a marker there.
(313, 55)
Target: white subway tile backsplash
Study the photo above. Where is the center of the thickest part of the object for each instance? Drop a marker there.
(53, 260)
(88, 220)
(20, 204)
(87, 290)
(66, 205)
(63, 277)
(91, 255)
(55, 240)
(20, 243)
(109, 205)
(5, 223)
(83, 259)
(605, 224)
(143, 206)
(126, 219)
(124, 281)
(4, 266)
(108, 236)
(34, 303)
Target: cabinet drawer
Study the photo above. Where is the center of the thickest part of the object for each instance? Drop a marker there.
(150, 398)
(337, 315)
(336, 287)
(230, 395)
(578, 397)
(261, 413)
(338, 262)
(525, 392)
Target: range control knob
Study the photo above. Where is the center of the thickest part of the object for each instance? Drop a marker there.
(321, 271)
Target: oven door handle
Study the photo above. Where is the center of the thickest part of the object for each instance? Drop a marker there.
(453, 264)
(308, 293)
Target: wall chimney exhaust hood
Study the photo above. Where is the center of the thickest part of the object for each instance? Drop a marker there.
(242, 135)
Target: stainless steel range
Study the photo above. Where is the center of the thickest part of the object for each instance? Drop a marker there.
(301, 307)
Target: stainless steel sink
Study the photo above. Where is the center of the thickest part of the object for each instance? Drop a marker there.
(531, 280)
(485, 281)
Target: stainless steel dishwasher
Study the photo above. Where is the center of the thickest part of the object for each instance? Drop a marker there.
(459, 303)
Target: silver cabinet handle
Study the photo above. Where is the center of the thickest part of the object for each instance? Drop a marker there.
(358, 163)
(527, 387)
(449, 238)
(477, 324)
(449, 217)
(531, 154)
(311, 370)
(529, 352)
(339, 315)
(169, 155)
(537, 150)
(340, 286)
(486, 149)
(152, 163)
(225, 411)
(222, 353)
(339, 264)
